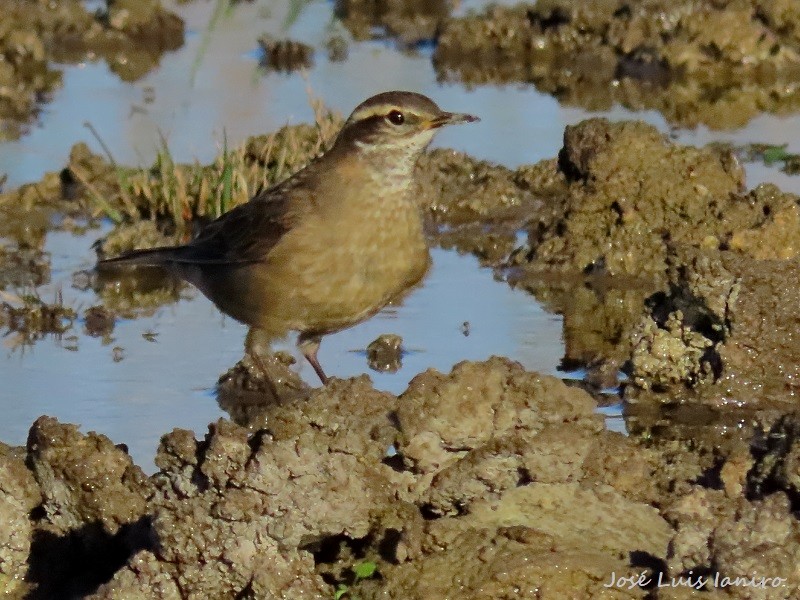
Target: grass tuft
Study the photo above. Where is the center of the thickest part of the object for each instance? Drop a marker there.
(177, 194)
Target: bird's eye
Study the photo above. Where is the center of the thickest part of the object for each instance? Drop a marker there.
(396, 117)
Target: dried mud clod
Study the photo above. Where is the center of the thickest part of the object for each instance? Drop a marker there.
(93, 510)
(500, 456)
(385, 353)
(716, 63)
(720, 538)
(618, 195)
(712, 258)
(19, 496)
(737, 318)
(506, 484)
(629, 193)
(263, 501)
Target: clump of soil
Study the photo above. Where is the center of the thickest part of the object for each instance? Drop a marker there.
(504, 483)
(710, 62)
(409, 22)
(92, 512)
(724, 334)
(710, 260)
(131, 35)
(630, 192)
(385, 353)
(20, 496)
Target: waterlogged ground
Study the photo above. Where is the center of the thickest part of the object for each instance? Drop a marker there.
(633, 257)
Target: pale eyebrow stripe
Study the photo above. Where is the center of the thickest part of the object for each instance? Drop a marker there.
(373, 111)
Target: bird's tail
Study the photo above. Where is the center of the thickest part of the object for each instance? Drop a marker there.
(151, 257)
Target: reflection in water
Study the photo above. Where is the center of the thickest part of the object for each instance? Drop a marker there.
(173, 354)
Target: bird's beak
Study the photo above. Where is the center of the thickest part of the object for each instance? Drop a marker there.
(448, 118)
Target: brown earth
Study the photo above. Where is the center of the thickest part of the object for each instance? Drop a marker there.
(713, 62)
(488, 482)
(505, 484)
(408, 21)
(130, 35)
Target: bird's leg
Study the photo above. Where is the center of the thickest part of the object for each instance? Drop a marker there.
(309, 345)
(251, 349)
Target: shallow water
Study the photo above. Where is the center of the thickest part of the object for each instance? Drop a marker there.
(210, 90)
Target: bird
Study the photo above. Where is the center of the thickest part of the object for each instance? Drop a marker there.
(329, 246)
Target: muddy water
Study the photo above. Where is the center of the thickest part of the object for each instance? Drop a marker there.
(211, 90)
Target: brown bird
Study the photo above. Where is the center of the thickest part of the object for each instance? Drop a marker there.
(331, 245)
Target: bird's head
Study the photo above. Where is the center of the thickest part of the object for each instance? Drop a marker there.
(395, 126)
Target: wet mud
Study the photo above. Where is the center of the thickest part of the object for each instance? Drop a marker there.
(485, 482)
(409, 22)
(130, 35)
(710, 62)
(505, 480)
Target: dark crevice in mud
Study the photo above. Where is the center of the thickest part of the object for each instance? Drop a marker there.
(76, 564)
(655, 566)
(429, 512)
(524, 477)
(247, 592)
(395, 462)
(336, 555)
(329, 550)
(388, 543)
(696, 314)
(255, 441)
(711, 477)
(774, 467)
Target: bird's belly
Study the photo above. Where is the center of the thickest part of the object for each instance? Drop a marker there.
(350, 278)
(321, 280)
(239, 291)
(355, 294)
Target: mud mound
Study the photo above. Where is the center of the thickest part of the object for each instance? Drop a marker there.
(725, 333)
(710, 62)
(486, 482)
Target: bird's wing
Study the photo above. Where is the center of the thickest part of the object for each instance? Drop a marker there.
(246, 233)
